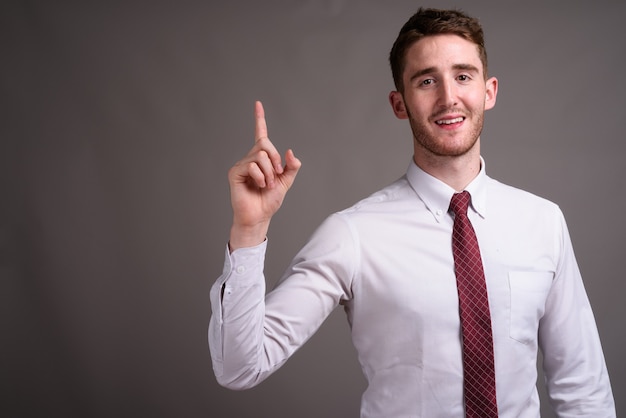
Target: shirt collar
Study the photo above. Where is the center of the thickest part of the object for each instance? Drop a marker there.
(436, 194)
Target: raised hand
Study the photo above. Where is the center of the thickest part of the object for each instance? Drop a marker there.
(258, 185)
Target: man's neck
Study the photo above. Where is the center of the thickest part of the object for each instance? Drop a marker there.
(456, 172)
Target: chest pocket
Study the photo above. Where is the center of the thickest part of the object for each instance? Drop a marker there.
(529, 291)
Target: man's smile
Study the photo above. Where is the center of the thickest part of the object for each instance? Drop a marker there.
(450, 121)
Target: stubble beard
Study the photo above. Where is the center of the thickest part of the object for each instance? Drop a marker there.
(437, 146)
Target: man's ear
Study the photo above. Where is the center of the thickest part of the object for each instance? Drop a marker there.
(397, 104)
(491, 93)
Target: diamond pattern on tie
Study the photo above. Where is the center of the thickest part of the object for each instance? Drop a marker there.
(479, 382)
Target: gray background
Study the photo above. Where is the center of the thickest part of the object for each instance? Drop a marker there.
(119, 123)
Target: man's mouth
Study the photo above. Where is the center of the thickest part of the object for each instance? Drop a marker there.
(450, 121)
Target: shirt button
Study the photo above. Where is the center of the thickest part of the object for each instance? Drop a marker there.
(439, 212)
(240, 269)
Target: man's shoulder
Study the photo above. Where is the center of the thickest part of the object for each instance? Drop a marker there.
(383, 199)
(517, 197)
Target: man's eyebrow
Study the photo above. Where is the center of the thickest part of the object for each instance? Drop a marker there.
(468, 67)
(431, 70)
(422, 72)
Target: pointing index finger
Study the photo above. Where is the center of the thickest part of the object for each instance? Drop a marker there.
(260, 127)
(260, 132)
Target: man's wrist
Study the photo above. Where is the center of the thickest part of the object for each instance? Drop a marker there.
(242, 237)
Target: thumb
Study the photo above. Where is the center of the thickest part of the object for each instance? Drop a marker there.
(292, 166)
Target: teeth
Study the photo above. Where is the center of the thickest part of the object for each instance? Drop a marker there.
(449, 121)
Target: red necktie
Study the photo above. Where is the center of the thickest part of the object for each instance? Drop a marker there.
(479, 382)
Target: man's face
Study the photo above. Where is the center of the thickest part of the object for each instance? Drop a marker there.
(445, 95)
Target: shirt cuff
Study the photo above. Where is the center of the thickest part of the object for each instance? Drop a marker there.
(244, 264)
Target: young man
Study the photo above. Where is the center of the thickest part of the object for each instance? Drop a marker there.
(396, 262)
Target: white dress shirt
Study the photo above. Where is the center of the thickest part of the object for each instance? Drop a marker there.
(388, 260)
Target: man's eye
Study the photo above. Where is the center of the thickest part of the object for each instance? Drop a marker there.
(463, 77)
(427, 82)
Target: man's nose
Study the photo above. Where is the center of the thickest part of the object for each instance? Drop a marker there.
(447, 94)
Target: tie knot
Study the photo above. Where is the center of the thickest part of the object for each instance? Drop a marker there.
(460, 202)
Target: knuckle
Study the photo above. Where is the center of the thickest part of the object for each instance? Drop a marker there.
(262, 155)
(235, 169)
(252, 167)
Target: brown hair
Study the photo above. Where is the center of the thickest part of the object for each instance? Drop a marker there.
(428, 22)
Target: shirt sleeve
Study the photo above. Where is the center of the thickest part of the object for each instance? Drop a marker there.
(576, 375)
(252, 334)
